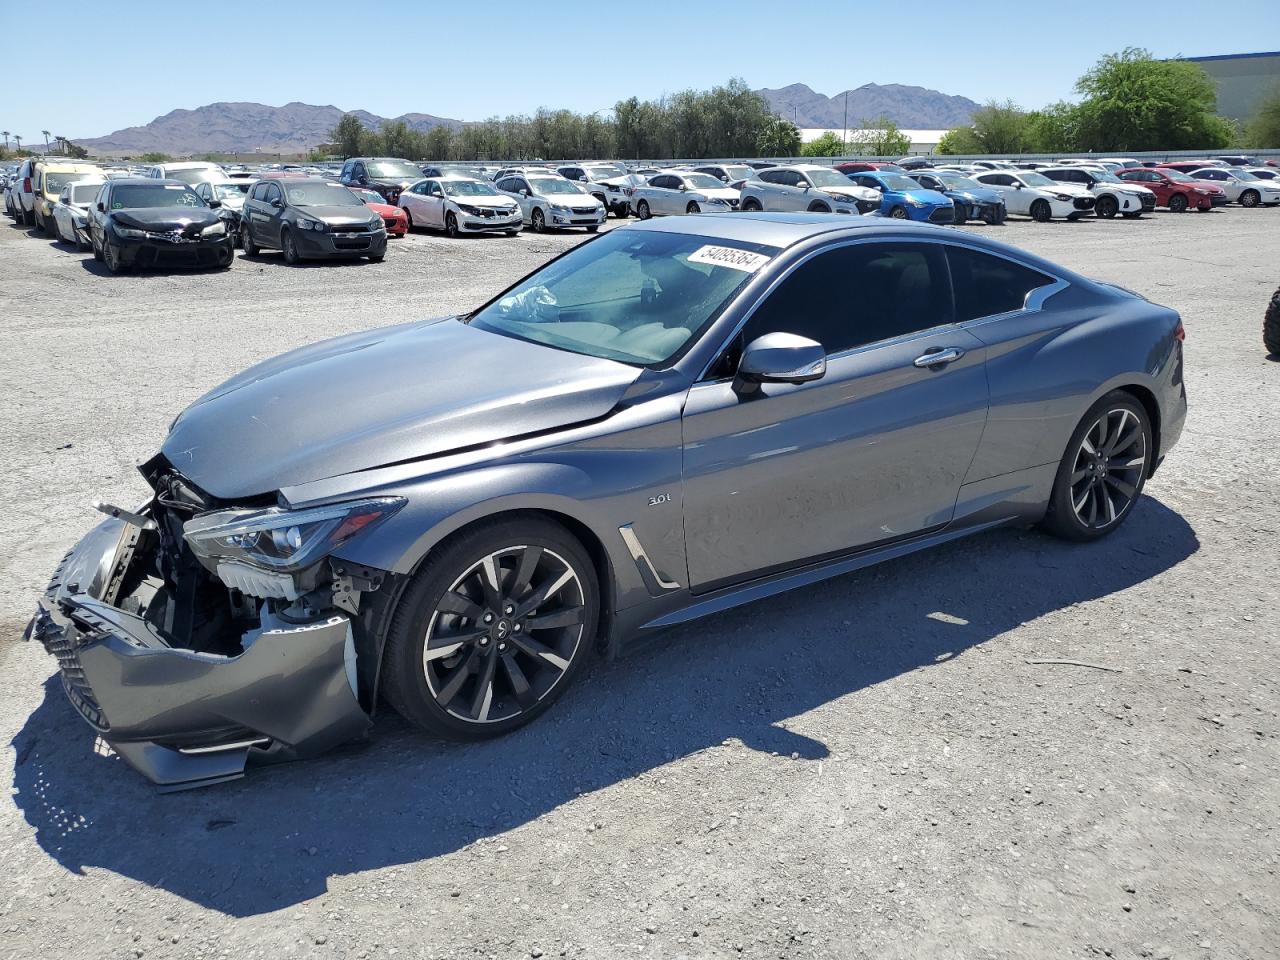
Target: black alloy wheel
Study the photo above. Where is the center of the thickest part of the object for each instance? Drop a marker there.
(289, 246)
(751, 205)
(643, 211)
(492, 629)
(1250, 198)
(1178, 203)
(246, 240)
(112, 257)
(1103, 471)
(451, 225)
(538, 220)
(1107, 207)
(1041, 212)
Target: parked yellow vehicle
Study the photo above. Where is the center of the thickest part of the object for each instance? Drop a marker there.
(49, 177)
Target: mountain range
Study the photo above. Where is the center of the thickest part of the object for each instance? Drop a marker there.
(243, 128)
(297, 127)
(912, 108)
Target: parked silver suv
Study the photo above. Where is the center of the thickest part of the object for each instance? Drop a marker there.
(807, 187)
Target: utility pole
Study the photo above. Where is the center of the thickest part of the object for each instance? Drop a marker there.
(844, 135)
(46, 140)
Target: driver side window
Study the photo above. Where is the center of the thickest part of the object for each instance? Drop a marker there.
(902, 288)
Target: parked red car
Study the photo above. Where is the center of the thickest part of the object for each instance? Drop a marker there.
(869, 166)
(395, 219)
(1174, 189)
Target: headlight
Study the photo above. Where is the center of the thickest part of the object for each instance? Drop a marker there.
(470, 210)
(284, 540)
(914, 202)
(130, 232)
(218, 229)
(377, 225)
(1062, 196)
(308, 224)
(560, 209)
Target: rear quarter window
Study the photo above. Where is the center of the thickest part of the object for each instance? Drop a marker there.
(985, 285)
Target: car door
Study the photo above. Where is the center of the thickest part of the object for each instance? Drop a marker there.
(1015, 200)
(874, 451)
(97, 213)
(785, 191)
(433, 204)
(659, 193)
(254, 213)
(272, 214)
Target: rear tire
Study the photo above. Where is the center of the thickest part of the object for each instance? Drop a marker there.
(1271, 325)
(456, 665)
(1103, 471)
(1041, 212)
(1178, 203)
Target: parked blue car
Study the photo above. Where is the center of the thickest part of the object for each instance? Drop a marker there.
(972, 200)
(904, 199)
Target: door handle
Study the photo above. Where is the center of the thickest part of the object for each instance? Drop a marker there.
(939, 357)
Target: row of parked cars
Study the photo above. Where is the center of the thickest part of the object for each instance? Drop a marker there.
(198, 212)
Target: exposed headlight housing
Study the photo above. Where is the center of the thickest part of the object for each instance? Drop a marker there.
(469, 209)
(130, 232)
(218, 229)
(284, 540)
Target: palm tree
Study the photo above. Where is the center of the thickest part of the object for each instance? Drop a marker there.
(17, 143)
(61, 142)
(6, 138)
(46, 140)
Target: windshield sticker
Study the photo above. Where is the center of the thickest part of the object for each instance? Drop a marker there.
(730, 257)
(174, 186)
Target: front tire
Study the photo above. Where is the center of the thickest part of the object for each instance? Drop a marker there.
(643, 211)
(693, 207)
(1178, 203)
(538, 220)
(1107, 207)
(898, 213)
(751, 205)
(246, 240)
(112, 258)
(451, 226)
(289, 247)
(1103, 471)
(1041, 212)
(97, 250)
(492, 629)
(1250, 198)
(1271, 325)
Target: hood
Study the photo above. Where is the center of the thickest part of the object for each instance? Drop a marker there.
(722, 193)
(400, 182)
(340, 215)
(379, 397)
(384, 209)
(501, 201)
(982, 195)
(1071, 189)
(924, 195)
(569, 199)
(853, 192)
(233, 203)
(165, 219)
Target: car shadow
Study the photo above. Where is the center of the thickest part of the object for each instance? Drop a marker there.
(274, 838)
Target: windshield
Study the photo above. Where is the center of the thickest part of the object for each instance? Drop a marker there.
(827, 178)
(54, 182)
(1243, 175)
(468, 188)
(394, 168)
(320, 195)
(194, 175)
(895, 182)
(638, 297)
(1106, 176)
(739, 172)
(604, 173)
(702, 181)
(954, 181)
(546, 185)
(134, 196)
(84, 192)
(1033, 179)
(231, 191)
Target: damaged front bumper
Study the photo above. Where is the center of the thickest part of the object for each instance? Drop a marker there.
(179, 716)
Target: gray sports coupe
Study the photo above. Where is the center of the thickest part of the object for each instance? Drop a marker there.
(668, 420)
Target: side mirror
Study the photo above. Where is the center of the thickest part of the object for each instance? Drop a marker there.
(683, 188)
(1017, 184)
(215, 204)
(525, 193)
(779, 358)
(362, 180)
(102, 208)
(276, 202)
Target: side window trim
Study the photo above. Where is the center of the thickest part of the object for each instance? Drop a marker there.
(1034, 302)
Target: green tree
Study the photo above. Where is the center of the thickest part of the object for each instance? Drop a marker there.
(880, 138)
(348, 134)
(778, 138)
(1001, 127)
(827, 145)
(1053, 129)
(155, 158)
(961, 141)
(439, 143)
(1135, 102)
(1263, 130)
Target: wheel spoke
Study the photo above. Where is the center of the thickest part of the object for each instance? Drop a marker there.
(456, 680)
(1088, 447)
(483, 697)
(1092, 519)
(1102, 432)
(515, 676)
(1126, 489)
(1079, 475)
(454, 602)
(1134, 464)
(524, 572)
(539, 650)
(543, 594)
(568, 617)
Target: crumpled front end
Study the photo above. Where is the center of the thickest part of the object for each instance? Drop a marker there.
(190, 678)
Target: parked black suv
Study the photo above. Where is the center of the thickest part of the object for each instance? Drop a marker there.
(387, 175)
(146, 222)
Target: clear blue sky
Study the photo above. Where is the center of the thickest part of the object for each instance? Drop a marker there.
(466, 61)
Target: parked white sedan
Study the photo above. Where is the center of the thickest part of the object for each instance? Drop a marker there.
(457, 205)
(71, 212)
(1241, 187)
(553, 203)
(677, 191)
(1031, 194)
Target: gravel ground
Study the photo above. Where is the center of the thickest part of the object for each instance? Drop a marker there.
(865, 768)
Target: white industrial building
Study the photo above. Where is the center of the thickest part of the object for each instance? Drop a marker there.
(922, 141)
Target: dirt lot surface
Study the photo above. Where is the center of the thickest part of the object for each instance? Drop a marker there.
(865, 768)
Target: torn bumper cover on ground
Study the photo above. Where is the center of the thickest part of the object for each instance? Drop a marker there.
(179, 716)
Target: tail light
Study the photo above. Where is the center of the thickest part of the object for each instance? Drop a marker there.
(1181, 332)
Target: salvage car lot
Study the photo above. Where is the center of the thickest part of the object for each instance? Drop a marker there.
(865, 767)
